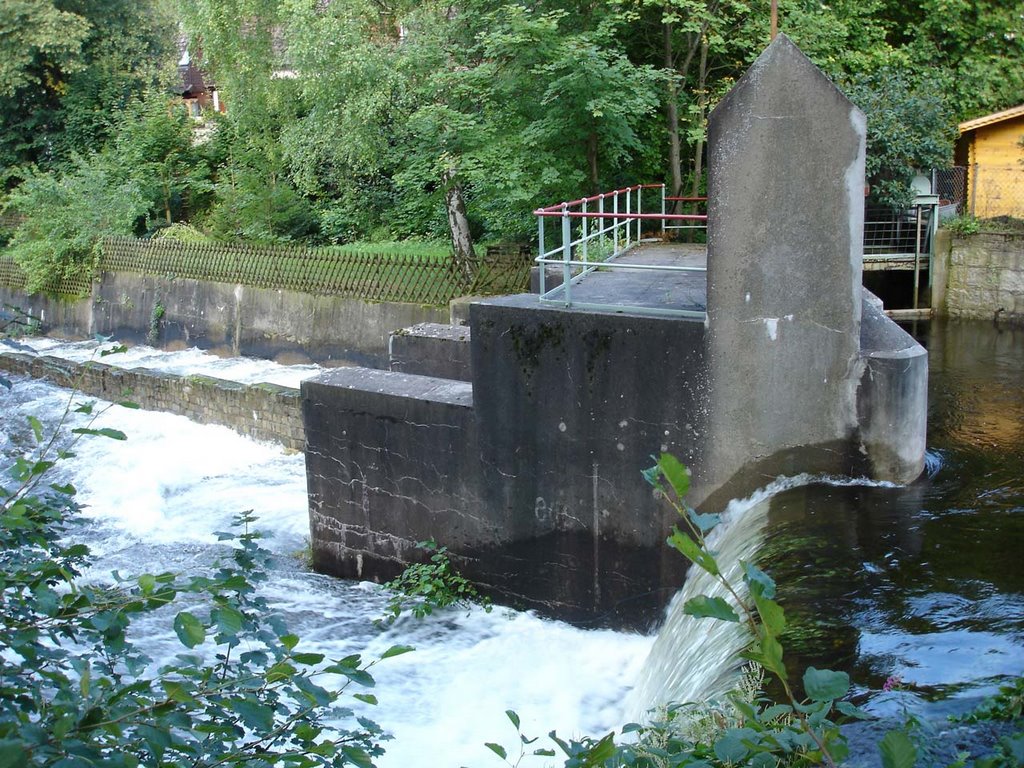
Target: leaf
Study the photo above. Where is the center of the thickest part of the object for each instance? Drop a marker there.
(676, 473)
(850, 710)
(37, 428)
(513, 716)
(396, 650)
(771, 613)
(897, 750)
(175, 691)
(358, 756)
(308, 659)
(730, 748)
(704, 607)
(253, 714)
(758, 581)
(157, 739)
(228, 620)
(113, 434)
(704, 523)
(288, 641)
(600, 752)
(189, 629)
(496, 749)
(367, 698)
(131, 405)
(825, 685)
(693, 552)
(768, 653)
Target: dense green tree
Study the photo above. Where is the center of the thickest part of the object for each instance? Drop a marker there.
(74, 66)
(910, 127)
(65, 215)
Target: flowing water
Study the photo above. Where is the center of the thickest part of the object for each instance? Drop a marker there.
(925, 582)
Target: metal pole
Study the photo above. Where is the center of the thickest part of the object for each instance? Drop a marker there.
(639, 210)
(615, 223)
(584, 228)
(917, 257)
(540, 246)
(663, 230)
(566, 253)
(629, 210)
(600, 221)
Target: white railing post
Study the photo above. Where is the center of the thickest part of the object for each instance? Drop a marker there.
(600, 222)
(615, 223)
(663, 222)
(543, 258)
(566, 253)
(584, 234)
(629, 222)
(639, 211)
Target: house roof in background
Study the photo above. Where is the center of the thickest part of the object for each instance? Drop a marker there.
(995, 117)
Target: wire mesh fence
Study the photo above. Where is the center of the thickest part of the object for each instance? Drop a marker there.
(893, 237)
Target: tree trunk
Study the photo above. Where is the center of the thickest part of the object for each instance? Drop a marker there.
(672, 118)
(702, 103)
(458, 226)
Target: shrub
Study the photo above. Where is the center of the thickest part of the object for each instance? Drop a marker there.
(75, 690)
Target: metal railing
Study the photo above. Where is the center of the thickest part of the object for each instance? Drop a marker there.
(597, 230)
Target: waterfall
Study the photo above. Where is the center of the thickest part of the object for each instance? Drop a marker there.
(698, 659)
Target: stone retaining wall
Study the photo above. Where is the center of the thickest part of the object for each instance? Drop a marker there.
(260, 411)
(980, 276)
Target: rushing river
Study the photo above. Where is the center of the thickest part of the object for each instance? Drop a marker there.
(925, 582)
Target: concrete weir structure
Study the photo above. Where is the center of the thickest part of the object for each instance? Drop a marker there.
(526, 464)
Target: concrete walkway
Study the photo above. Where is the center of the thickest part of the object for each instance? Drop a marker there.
(648, 288)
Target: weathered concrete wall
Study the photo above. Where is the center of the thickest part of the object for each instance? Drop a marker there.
(231, 319)
(261, 411)
(72, 319)
(432, 349)
(980, 276)
(531, 475)
(777, 229)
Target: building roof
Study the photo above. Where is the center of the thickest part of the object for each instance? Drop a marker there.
(995, 117)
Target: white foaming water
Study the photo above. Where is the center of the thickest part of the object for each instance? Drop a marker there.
(245, 370)
(696, 659)
(155, 501)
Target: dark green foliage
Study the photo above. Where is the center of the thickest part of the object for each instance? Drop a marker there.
(64, 217)
(75, 690)
(911, 127)
(423, 588)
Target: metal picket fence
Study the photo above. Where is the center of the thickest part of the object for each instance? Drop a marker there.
(429, 280)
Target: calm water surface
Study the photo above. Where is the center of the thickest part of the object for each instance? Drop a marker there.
(925, 582)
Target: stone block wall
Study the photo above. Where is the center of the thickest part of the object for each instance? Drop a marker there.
(984, 276)
(260, 411)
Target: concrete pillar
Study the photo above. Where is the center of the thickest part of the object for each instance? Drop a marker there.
(785, 228)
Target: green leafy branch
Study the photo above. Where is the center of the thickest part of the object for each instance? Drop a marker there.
(423, 588)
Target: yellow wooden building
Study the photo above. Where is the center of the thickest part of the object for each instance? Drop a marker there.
(991, 149)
